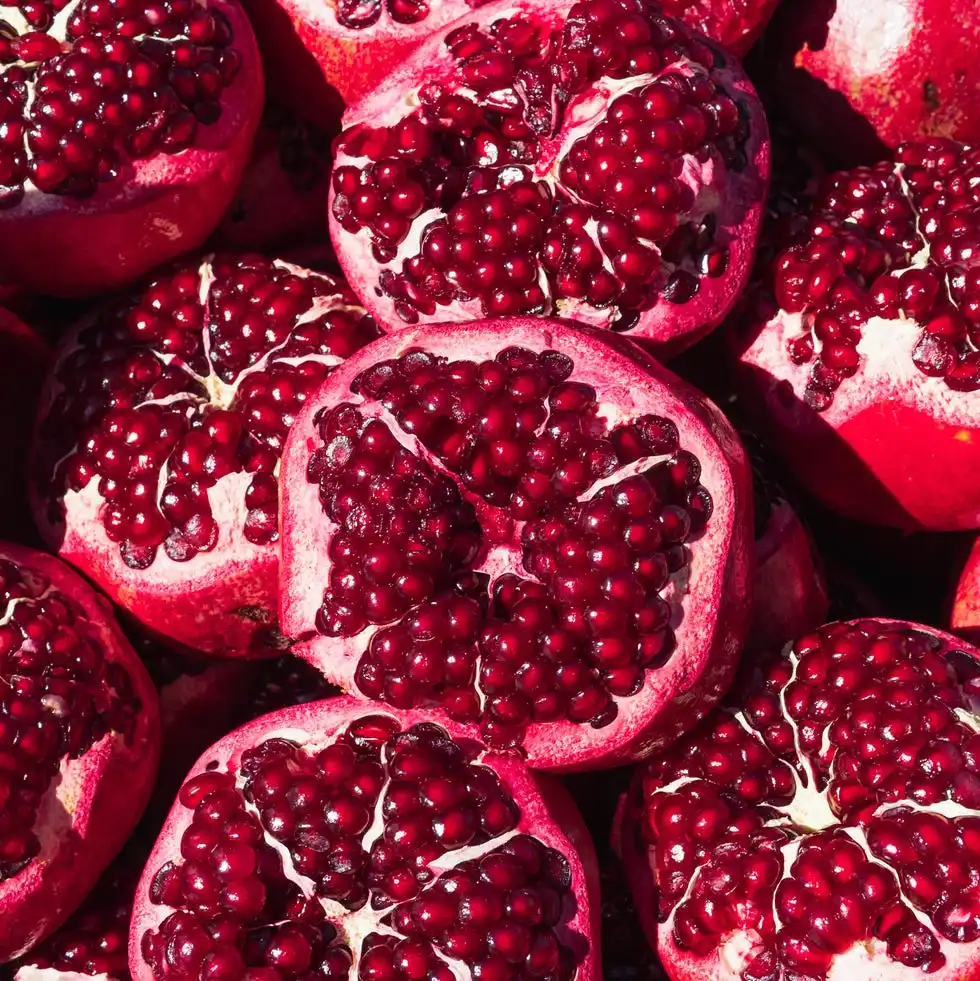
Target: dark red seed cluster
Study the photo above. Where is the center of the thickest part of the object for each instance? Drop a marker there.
(122, 80)
(59, 695)
(614, 229)
(196, 379)
(522, 444)
(896, 241)
(805, 814)
(363, 820)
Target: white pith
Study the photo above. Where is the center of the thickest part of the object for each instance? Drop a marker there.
(809, 813)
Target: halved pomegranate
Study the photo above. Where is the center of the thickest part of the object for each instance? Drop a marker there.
(332, 841)
(860, 77)
(124, 129)
(599, 162)
(79, 738)
(535, 527)
(825, 822)
(158, 441)
(282, 199)
(860, 360)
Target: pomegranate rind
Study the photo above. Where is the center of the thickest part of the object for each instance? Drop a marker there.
(547, 813)
(667, 328)
(858, 78)
(860, 963)
(161, 207)
(629, 382)
(99, 797)
(790, 591)
(894, 448)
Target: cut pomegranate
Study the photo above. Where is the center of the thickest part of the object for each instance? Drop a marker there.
(124, 129)
(825, 822)
(864, 370)
(790, 591)
(24, 360)
(329, 841)
(157, 448)
(859, 77)
(282, 199)
(734, 23)
(79, 738)
(598, 162)
(533, 526)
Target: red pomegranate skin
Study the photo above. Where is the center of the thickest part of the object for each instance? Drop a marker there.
(707, 614)
(824, 821)
(93, 800)
(544, 811)
(159, 206)
(859, 77)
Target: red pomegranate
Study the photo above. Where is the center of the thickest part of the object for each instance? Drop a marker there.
(599, 162)
(860, 359)
(124, 130)
(332, 840)
(533, 526)
(79, 738)
(860, 77)
(282, 199)
(24, 360)
(158, 441)
(964, 616)
(790, 590)
(733, 23)
(825, 822)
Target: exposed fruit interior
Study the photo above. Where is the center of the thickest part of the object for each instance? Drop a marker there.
(356, 15)
(733, 23)
(893, 242)
(164, 395)
(59, 695)
(834, 808)
(522, 553)
(581, 161)
(89, 87)
(390, 849)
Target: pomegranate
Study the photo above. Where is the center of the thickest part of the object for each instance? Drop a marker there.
(790, 591)
(964, 617)
(24, 359)
(331, 841)
(599, 162)
(825, 822)
(123, 133)
(859, 359)
(158, 441)
(282, 199)
(533, 526)
(79, 737)
(734, 23)
(860, 77)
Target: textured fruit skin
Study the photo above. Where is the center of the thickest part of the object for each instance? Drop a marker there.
(25, 358)
(665, 328)
(790, 591)
(696, 675)
(548, 813)
(99, 799)
(875, 454)
(859, 77)
(167, 205)
(859, 963)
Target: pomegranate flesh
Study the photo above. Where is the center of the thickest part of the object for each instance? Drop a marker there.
(860, 359)
(733, 23)
(79, 738)
(158, 441)
(860, 77)
(124, 130)
(282, 199)
(533, 526)
(333, 841)
(825, 821)
(599, 162)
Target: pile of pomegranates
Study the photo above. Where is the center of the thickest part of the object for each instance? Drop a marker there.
(489, 490)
